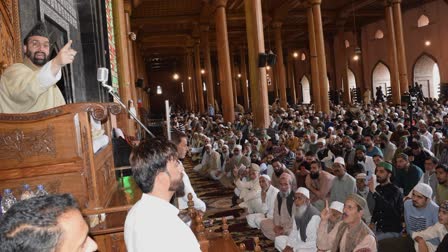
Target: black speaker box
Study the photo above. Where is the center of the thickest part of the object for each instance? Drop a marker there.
(139, 83)
(271, 59)
(262, 59)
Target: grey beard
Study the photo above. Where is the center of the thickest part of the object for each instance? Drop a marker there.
(300, 210)
(285, 194)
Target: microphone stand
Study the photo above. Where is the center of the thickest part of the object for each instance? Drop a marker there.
(111, 91)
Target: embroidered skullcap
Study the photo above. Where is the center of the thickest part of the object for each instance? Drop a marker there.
(360, 201)
(40, 29)
(386, 166)
(424, 189)
(303, 191)
(338, 206)
(444, 205)
(361, 175)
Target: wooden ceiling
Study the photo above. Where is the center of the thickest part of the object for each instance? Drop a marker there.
(165, 28)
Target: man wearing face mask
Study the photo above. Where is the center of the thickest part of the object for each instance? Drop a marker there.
(31, 86)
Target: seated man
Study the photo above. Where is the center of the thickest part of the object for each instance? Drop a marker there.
(437, 231)
(343, 184)
(249, 190)
(350, 234)
(281, 223)
(407, 174)
(268, 196)
(306, 221)
(421, 211)
(319, 183)
(279, 169)
(442, 186)
(51, 223)
(210, 163)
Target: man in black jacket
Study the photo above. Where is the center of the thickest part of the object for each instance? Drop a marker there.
(388, 204)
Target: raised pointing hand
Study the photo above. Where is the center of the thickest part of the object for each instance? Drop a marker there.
(66, 55)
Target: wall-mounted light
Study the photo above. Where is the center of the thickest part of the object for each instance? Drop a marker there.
(189, 77)
(159, 90)
(356, 57)
(175, 76)
(202, 71)
(295, 54)
(268, 68)
(427, 43)
(357, 54)
(239, 75)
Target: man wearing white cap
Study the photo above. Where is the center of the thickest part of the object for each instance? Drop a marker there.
(249, 190)
(305, 223)
(268, 196)
(336, 211)
(420, 212)
(235, 161)
(343, 184)
(211, 161)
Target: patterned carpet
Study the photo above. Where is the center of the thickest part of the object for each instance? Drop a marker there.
(218, 200)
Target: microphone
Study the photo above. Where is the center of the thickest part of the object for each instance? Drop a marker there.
(102, 76)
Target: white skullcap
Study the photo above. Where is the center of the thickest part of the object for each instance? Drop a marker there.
(303, 191)
(225, 145)
(339, 160)
(255, 167)
(238, 146)
(424, 189)
(361, 176)
(338, 206)
(266, 177)
(321, 140)
(355, 121)
(208, 145)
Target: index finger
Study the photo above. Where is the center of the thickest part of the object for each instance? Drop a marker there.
(68, 45)
(326, 204)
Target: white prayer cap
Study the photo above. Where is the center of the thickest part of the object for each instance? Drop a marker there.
(361, 176)
(424, 189)
(303, 191)
(266, 177)
(255, 167)
(355, 121)
(321, 140)
(238, 146)
(208, 145)
(339, 160)
(338, 206)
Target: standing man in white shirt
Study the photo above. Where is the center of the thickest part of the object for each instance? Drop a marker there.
(153, 222)
(180, 140)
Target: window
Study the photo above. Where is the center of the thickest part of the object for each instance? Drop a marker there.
(423, 20)
(347, 44)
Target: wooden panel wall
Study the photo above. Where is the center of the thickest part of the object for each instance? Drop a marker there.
(10, 41)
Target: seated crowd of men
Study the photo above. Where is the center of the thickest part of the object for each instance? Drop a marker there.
(358, 179)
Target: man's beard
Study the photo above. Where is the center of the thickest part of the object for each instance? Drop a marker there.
(314, 175)
(381, 180)
(279, 172)
(37, 62)
(300, 210)
(285, 194)
(178, 187)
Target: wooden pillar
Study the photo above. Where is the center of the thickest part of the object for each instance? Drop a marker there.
(255, 45)
(191, 82)
(199, 88)
(393, 58)
(121, 41)
(131, 60)
(342, 64)
(234, 77)
(321, 58)
(187, 96)
(280, 66)
(222, 47)
(291, 78)
(315, 83)
(208, 66)
(401, 50)
(244, 78)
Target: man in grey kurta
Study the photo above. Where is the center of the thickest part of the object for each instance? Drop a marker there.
(343, 184)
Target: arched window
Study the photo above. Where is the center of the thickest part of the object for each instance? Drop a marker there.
(426, 74)
(379, 34)
(381, 78)
(347, 44)
(305, 90)
(423, 20)
(303, 57)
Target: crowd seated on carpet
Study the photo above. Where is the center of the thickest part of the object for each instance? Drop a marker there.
(362, 178)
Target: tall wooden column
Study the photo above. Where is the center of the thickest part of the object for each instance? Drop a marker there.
(208, 66)
(280, 66)
(315, 82)
(321, 58)
(197, 67)
(291, 78)
(187, 94)
(393, 58)
(121, 41)
(342, 64)
(191, 82)
(235, 80)
(222, 47)
(255, 45)
(244, 78)
(398, 26)
(131, 60)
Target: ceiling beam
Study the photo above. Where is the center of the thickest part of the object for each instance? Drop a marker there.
(181, 19)
(350, 8)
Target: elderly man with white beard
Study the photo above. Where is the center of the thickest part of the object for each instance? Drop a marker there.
(249, 190)
(268, 196)
(211, 161)
(305, 224)
(224, 157)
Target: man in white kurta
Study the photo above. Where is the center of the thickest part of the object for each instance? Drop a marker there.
(153, 224)
(268, 196)
(307, 217)
(31, 86)
(249, 190)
